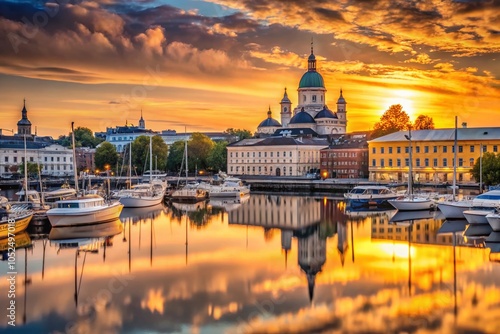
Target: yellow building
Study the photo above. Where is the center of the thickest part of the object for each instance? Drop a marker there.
(432, 154)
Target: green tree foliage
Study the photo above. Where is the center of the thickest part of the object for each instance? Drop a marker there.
(199, 147)
(490, 167)
(423, 122)
(32, 168)
(106, 154)
(140, 153)
(238, 134)
(394, 119)
(217, 159)
(175, 156)
(84, 137)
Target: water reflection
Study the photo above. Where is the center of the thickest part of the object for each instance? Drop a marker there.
(271, 263)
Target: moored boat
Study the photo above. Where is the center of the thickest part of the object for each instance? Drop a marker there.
(477, 217)
(368, 195)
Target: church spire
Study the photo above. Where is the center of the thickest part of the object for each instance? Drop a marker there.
(269, 112)
(311, 61)
(142, 123)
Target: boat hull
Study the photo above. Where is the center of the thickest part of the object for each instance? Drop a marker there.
(21, 222)
(494, 221)
(412, 204)
(454, 210)
(477, 217)
(140, 202)
(189, 195)
(65, 218)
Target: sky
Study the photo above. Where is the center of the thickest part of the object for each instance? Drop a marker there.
(217, 64)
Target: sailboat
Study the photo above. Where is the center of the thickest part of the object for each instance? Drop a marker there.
(83, 210)
(454, 209)
(142, 195)
(189, 193)
(411, 202)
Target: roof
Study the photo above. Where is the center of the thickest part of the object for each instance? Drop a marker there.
(325, 113)
(311, 79)
(442, 135)
(283, 141)
(302, 117)
(269, 122)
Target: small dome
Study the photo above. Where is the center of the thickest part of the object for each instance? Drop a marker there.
(341, 99)
(269, 121)
(311, 79)
(285, 98)
(301, 118)
(311, 56)
(325, 113)
(24, 121)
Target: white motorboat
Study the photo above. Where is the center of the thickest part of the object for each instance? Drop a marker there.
(361, 196)
(454, 209)
(82, 210)
(494, 221)
(477, 217)
(230, 188)
(89, 209)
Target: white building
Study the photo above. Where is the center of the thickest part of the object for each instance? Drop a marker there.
(280, 156)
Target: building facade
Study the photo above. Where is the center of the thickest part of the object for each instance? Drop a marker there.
(432, 154)
(278, 156)
(346, 157)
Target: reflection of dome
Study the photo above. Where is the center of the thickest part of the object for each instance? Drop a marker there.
(325, 113)
(302, 117)
(311, 79)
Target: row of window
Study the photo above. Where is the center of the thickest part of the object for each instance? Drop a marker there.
(340, 155)
(271, 154)
(418, 162)
(434, 149)
(259, 169)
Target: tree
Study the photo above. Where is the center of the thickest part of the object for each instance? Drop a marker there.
(217, 159)
(175, 156)
(490, 168)
(423, 122)
(32, 168)
(105, 154)
(140, 153)
(238, 134)
(199, 148)
(84, 137)
(394, 119)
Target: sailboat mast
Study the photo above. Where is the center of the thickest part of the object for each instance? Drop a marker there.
(455, 160)
(130, 166)
(25, 171)
(150, 159)
(75, 173)
(186, 153)
(410, 169)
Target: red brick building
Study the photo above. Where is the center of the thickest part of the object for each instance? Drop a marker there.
(85, 159)
(346, 157)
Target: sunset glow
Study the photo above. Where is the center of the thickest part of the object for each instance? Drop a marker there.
(214, 64)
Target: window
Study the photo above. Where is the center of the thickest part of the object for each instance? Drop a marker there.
(390, 162)
(259, 154)
(460, 149)
(374, 163)
(435, 149)
(435, 162)
(374, 150)
(304, 98)
(398, 149)
(382, 163)
(382, 150)
(15, 159)
(417, 162)
(407, 162)
(398, 162)
(236, 154)
(426, 149)
(231, 154)
(6, 159)
(314, 98)
(460, 162)
(445, 149)
(417, 149)
(407, 149)
(426, 162)
(390, 150)
(495, 148)
(445, 162)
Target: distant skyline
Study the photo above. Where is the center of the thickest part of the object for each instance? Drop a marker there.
(215, 64)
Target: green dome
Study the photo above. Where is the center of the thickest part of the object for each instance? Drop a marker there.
(311, 79)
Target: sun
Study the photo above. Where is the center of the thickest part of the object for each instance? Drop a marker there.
(405, 98)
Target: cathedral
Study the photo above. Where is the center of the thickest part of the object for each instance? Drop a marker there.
(311, 111)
